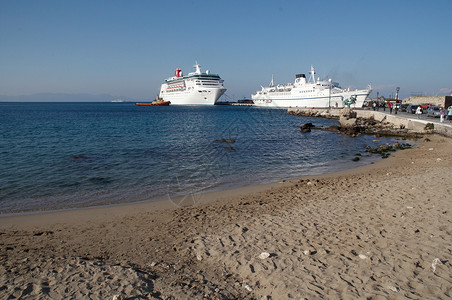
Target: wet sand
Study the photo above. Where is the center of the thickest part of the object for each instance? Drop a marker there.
(383, 231)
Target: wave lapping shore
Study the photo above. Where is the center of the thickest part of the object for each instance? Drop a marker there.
(382, 231)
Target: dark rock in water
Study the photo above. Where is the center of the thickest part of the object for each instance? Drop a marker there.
(398, 146)
(226, 141)
(306, 127)
(355, 159)
(353, 131)
(230, 148)
(332, 128)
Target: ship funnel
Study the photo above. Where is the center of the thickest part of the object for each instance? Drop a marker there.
(300, 79)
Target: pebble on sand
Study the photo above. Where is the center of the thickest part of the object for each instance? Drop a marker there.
(362, 256)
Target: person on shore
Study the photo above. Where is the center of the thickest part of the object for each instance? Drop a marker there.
(390, 107)
(419, 112)
(449, 113)
(441, 115)
(374, 105)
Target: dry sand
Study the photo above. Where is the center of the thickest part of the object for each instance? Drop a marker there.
(382, 231)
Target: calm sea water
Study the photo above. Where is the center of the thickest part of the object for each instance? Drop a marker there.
(68, 155)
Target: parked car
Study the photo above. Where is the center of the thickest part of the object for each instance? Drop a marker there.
(403, 107)
(433, 111)
(426, 105)
(411, 108)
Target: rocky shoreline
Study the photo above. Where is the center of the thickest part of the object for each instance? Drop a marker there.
(351, 124)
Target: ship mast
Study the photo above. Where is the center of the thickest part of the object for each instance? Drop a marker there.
(271, 82)
(312, 74)
(198, 68)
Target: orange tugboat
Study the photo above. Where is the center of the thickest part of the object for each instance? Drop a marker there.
(157, 102)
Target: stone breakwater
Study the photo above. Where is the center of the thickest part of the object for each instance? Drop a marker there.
(355, 122)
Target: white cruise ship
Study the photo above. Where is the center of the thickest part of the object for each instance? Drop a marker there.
(196, 88)
(312, 93)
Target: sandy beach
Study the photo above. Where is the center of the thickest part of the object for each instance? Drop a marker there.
(382, 231)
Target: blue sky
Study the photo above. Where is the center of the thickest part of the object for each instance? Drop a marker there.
(127, 48)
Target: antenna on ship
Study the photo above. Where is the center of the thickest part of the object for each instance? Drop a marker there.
(198, 67)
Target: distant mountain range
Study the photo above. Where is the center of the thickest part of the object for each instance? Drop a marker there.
(61, 97)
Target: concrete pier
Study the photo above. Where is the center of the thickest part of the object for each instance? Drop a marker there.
(400, 120)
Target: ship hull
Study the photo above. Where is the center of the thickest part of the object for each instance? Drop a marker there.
(319, 101)
(204, 96)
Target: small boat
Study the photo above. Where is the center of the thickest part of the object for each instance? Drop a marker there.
(157, 102)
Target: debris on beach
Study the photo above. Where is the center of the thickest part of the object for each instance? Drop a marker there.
(309, 252)
(393, 288)
(264, 255)
(250, 289)
(436, 262)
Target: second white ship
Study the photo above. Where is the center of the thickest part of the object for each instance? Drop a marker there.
(196, 88)
(312, 93)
